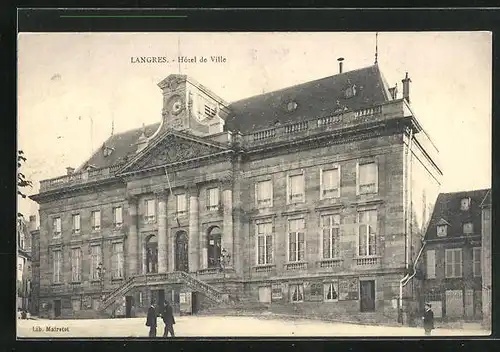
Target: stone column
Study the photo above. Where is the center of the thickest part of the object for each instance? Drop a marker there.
(193, 245)
(162, 232)
(227, 203)
(132, 238)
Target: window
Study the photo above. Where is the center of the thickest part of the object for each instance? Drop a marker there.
(56, 227)
(76, 223)
(330, 291)
(117, 261)
(430, 260)
(367, 233)
(117, 216)
(214, 247)
(330, 183)
(296, 242)
(76, 264)
(441, 230)
(453, 262)
(330, 225)
(296, 189)
(468, 228)
(316, 289)
(264, 194)
(57, 266)
(465, 204)
(95, 259)
(96, 220)
(367, 178)
(181, 202)
(213, 199)
(297, 293)
(476, 261)
(150, 210)
(265, 243)
(276, 291)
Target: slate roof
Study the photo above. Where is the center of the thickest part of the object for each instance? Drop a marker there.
(314, 99)
(487, 199)
(448, 208)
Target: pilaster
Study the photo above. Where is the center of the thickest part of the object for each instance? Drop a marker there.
(194, 235)
(133, 249)
(162, 231)
(227, 204)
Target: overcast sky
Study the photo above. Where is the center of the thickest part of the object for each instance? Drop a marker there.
(67, 78)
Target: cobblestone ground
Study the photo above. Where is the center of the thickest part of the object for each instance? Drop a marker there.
(220, 326)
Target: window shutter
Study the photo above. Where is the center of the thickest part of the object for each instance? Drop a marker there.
(326, 243)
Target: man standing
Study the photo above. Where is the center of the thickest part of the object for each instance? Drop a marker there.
(428, 319)
(168, 319)
(151, 320)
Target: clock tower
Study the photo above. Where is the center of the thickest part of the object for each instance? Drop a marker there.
(188, 106)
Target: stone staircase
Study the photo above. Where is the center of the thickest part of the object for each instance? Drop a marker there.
(165, 278)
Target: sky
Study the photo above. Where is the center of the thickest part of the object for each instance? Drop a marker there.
(72, 86)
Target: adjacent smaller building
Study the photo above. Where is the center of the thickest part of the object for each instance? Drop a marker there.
(453, 256)
(486, 258)
(23, 289)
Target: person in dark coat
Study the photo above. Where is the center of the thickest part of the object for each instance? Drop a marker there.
(428, 319)
(151, 320)
(168, 319)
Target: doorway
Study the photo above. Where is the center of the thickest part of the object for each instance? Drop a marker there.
(367, 295)
(214, 246)
(57, 308)
(128, 306)
(151, 254)
(181, 252)
(195, 301)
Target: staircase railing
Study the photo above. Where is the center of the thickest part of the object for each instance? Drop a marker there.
(182, 276)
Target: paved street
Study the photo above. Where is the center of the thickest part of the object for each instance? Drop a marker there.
(212, 326)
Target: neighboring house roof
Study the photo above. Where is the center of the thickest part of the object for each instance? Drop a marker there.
(447, 211)
(314, 99)
(487, 199)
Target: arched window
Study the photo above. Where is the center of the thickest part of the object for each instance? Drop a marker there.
(152, 254)
(214, 246)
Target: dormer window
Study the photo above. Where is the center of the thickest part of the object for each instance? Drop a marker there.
(107, 151)
(468, 228)
(442, 230)
(291, 106)
(465, 204)
(350, 92)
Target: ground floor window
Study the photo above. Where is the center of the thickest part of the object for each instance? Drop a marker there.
(330, 291)
(277, 292)
(297, 293)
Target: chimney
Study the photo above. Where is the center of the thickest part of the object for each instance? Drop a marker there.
(406, 88)
(394, 92)
(69, 171)
(32, 224)
(340, 59)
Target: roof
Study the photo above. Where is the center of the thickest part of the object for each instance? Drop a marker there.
(314, 99)
(447, 208)
(487, 199)
(123, 145)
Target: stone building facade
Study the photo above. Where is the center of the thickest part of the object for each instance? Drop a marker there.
(454, 256)
(311, 199)
(23, 277)
(486, 258)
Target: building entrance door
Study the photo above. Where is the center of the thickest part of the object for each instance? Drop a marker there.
(367, 295)
(181, 252)
(57, 308)
(128, 306)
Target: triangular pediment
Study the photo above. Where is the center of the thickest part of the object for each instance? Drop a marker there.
(171, 148)
(442, 222)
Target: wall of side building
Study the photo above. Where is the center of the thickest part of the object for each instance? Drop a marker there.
(486, 265)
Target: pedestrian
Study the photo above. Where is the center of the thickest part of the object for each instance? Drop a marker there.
(151, 320)
(168, 319)
(428, 319)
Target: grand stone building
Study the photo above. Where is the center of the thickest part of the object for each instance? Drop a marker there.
(312, 199)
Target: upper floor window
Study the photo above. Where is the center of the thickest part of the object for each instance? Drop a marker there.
(56, 227)
(76, 264)
(213, 198)
(476, 261)
(367, 178)
(264, 243)
(117, 260)
(95, 259)
(96, 220)
(367, 233)
(296, 241)
(330, 183)
(264, 194)
(465, 203)
(453, 262)
(468, 228)
(117, 216)
(76, 224)
(430, 261)
(181, 204)
(295, 189)
(57, 266)
(150, 215)
(21, 239)
(330, 225)
(442, 230)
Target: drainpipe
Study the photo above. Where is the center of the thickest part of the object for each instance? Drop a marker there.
(408, 217)
(415, 264)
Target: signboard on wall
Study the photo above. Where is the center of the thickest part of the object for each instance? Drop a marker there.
(348, 289)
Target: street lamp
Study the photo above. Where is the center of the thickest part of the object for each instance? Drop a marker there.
(101, 271)
(224, 261)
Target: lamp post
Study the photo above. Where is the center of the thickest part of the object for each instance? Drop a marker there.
(224, 261)
(101, 271)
